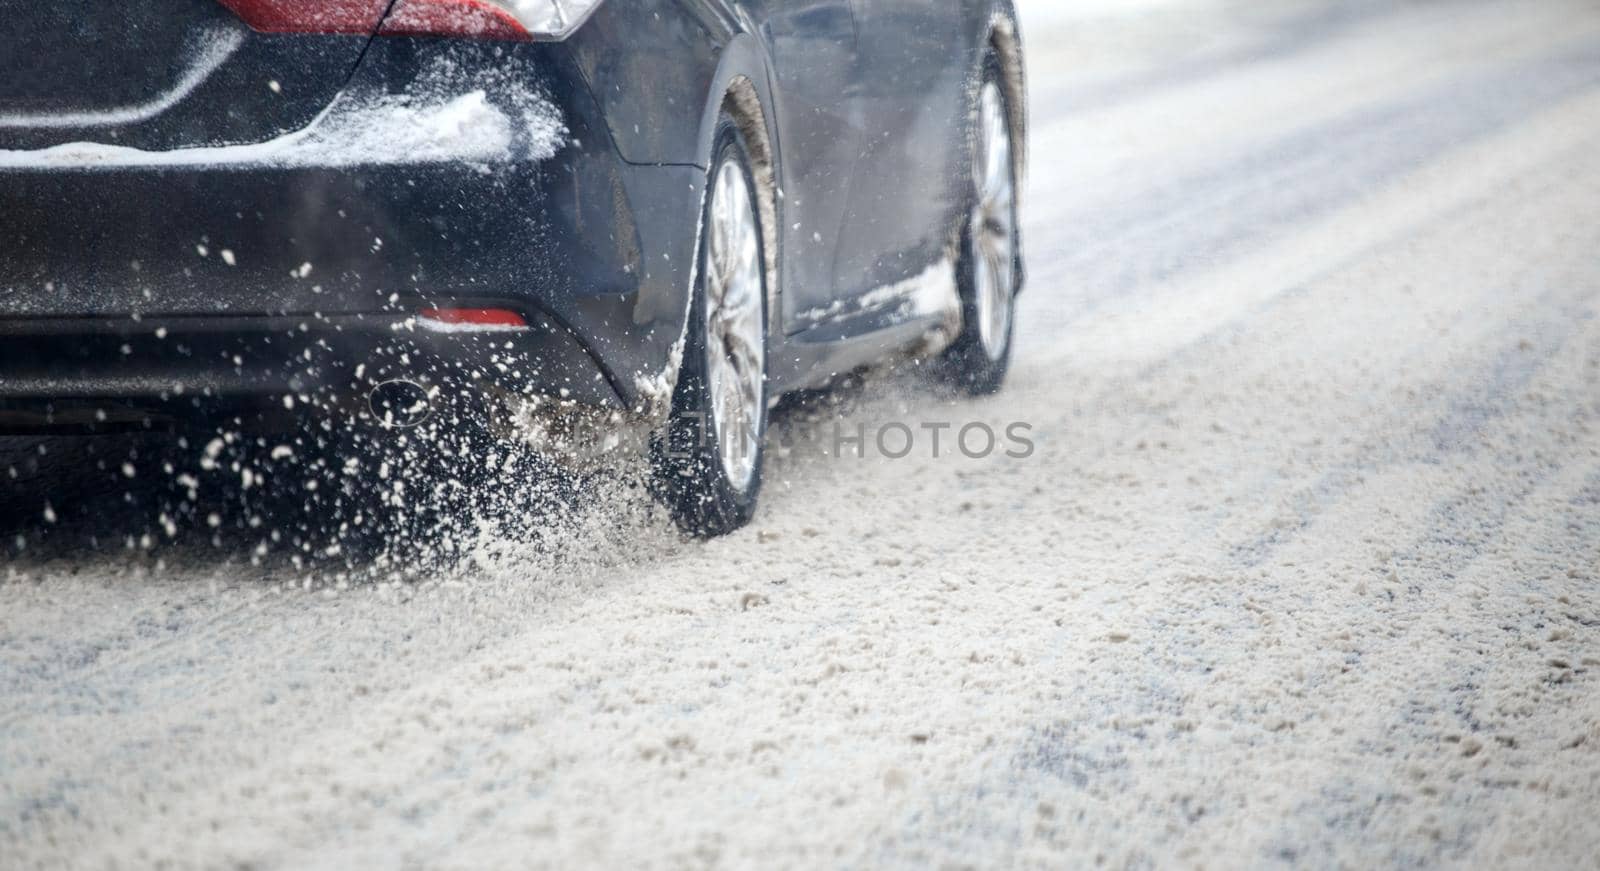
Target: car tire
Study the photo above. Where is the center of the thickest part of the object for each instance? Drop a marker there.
(708, 458)
(989, 269)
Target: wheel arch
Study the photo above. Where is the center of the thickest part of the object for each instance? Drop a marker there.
(1004, 38)
(742, 89)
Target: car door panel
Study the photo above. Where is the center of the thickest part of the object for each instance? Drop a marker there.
(817, 99)
(910, 187)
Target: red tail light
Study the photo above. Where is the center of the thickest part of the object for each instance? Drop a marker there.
(477, 19)
(474, 318)
(310, 16)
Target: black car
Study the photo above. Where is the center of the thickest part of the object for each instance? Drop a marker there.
(654, 213)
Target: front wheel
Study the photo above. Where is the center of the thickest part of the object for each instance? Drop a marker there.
(988, 269)
(708, 462)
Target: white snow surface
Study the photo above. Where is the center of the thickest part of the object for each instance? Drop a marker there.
(1305, 568)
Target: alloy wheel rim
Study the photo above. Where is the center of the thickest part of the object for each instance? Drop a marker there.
(734, 347)
(992, 238)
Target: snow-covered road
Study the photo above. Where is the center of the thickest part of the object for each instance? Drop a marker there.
(1304, 567)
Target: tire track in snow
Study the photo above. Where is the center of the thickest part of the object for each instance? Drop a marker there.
(1555, 317)
(1299, 32)
(1480, 393)
(1459, 556)
(1246, 200)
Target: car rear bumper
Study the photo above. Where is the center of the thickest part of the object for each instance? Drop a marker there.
(73, 373)
(132, 274)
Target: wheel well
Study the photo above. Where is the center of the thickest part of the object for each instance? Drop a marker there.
(1007, 46)
(743, 104)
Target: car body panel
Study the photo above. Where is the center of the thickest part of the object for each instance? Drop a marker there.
(817, 104)
(918, 60)
(152, 74)
(650, 66)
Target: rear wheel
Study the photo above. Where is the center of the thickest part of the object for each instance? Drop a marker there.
(988, 270)
(709, 461)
